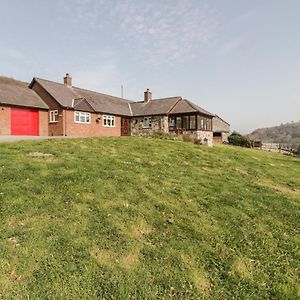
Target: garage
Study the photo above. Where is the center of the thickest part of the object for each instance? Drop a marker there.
(22, 111)
(24, 121)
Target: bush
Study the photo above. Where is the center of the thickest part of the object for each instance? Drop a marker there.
(237, 139)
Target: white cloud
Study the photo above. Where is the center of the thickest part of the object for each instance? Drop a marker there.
(156, 31)
(230, 47)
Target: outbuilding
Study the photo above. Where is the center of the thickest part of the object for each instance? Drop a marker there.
(22, 111)
(221, 130)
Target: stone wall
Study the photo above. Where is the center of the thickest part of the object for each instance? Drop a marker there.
(206, 137)
(219, 125)
(158, 124)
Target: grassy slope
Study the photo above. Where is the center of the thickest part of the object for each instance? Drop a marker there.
(145, 218)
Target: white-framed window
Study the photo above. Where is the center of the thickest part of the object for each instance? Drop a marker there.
(108, 121)
(147, 122)
(53, 116)
(82, 117)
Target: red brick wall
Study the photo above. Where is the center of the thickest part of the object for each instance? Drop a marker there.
(5, 120)
(54, 128)
(93, 129)
(43, 119)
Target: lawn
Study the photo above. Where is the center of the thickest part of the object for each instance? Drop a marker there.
(143, 218)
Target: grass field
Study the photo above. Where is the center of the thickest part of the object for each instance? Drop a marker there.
(142, 218)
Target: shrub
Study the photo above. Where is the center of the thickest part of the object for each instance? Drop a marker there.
(237, 139)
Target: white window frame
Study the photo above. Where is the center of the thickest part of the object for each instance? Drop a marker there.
(53, 116)
(79, 115)
(109, 121)
(147, 123)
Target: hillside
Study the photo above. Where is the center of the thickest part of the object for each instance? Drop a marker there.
(284, 134)
(12, 81)
(142, 218)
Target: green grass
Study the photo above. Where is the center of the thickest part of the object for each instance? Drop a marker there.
(141, 218)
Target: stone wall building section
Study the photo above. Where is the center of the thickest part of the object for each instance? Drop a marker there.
(221, 130)
(158, 124)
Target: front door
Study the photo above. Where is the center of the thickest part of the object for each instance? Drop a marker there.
(124, 126)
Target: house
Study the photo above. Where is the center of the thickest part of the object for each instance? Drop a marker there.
(22, 111)
(78, 112)
(221, 130)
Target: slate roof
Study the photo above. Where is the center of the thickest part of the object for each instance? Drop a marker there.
(186, 106)
(20, 96)
(154, 107)
(81, 99)
(218, 117)
(65, 95)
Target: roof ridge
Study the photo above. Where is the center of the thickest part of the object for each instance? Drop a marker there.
(83, 89)
(119, 98)
(158, 99)
(130, 109)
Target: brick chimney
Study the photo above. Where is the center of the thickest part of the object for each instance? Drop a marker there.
(147, 96)
(68, 80)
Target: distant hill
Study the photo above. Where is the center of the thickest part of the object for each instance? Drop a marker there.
(285, 134)
(12, 81)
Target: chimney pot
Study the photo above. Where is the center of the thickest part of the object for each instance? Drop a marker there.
(147, 96)
(68, 80)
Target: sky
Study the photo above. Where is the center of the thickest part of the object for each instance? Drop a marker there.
(239, 59)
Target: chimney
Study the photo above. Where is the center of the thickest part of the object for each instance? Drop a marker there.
(68, 80)
(147, 96)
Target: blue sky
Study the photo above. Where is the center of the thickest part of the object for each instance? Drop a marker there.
(239, 59)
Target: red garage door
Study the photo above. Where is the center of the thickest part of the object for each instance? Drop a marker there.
(24, 121)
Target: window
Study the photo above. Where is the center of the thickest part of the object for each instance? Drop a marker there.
(201, 123)
(171, 123)
(185, 122)
(108, 121)
(178, 123)
(147, 122)
(82, 117)
(192, 122)
(53, 116)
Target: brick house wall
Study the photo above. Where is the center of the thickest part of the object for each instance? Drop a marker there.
(5, 120)
(43, 122)
(159, 124)
(95, 128)
(54, 128)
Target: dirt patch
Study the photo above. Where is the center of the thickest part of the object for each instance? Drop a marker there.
(40, 154)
